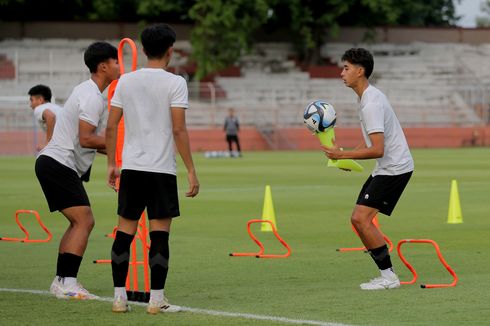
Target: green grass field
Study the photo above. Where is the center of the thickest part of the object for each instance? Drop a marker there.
(312, 205)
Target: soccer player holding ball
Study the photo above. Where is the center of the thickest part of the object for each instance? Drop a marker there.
(384, 141)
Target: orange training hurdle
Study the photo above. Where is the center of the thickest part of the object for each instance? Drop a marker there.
(260, 253)
(376, 223)
(27, 238)
(414, 273)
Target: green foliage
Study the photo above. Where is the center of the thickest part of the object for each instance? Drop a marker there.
(484, 21)
(223, 31)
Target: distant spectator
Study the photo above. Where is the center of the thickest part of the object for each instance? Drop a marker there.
(231, 128)
(44, 111)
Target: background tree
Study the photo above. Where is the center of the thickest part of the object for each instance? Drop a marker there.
(223, 31)
(484, 21)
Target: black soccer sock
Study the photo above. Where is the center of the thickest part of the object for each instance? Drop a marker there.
(381, 257)
(59, 266)
(159, 255)
(120, 258)
(70, 263)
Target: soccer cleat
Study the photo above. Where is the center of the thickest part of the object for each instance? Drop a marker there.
(76, 291)
(55, 287)
(381, 283)
(120, 305)
(161, 306)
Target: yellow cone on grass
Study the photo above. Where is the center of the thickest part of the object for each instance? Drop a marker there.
(454, 214)
(268, 211)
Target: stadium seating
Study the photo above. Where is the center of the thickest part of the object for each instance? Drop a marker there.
(427, 84)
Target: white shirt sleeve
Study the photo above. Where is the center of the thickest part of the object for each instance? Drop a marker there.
(116, 99)
(373, 117)
(38, 113)
(90, 109)
(179, 95)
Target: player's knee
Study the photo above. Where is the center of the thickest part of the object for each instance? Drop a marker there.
(358, 221)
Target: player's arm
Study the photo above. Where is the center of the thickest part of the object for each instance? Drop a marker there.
(181, 139)
(115, 115)
(88, 137)
(50, 119)
(376, 149)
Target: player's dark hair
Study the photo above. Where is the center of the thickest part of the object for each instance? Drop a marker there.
(157, 39)
(98, 52)
(360, 57)
(41, 90)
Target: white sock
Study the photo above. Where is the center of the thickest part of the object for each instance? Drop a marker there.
(388, 273)
(156, 295)
(69, 281)
(121, 293)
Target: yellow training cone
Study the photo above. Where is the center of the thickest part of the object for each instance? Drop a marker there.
(268, 211)
(326, 139)
(454, 215)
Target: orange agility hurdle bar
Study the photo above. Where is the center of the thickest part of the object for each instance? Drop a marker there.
(27, 239)
(260, 253)
(414, 273)
(376, 224)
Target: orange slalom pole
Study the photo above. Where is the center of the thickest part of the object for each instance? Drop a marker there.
(260, 253)
(414, 273)
(24, 230)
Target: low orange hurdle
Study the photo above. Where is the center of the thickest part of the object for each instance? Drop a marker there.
(414, 273)
(385, 237)
(21, 226)
(260, 253)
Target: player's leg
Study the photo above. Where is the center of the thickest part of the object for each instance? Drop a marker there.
(131, 204)
(64, 191)
(371, 237)
(120, 261)
(237, 142)
(229, 140)
(163, 205)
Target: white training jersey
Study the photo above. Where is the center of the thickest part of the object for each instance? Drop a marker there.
(146, 97)
(85, 103)
(377, 115)
(39, 110)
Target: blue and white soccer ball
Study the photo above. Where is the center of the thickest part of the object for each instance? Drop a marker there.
(319, 115)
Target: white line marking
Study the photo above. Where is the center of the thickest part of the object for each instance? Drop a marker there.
(206, 311)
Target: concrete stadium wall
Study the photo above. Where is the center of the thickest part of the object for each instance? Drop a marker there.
(213, 139)
(90, 30)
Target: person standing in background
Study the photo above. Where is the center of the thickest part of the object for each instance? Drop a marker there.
(231, 128)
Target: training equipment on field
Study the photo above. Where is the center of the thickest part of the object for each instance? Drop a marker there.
(319, 115)
(268, 213)
(454, 216)
(260, 253)
(27, 238)
(142, 231)
(327, 138)
(385, 237)
(133, 289)
(414, 273)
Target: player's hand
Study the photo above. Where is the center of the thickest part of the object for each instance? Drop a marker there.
(112, 176)
(332, 152)
(193, 185)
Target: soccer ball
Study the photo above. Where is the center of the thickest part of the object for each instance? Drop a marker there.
(319, 115)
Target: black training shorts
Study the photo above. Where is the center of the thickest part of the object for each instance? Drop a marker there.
(383, 191)
(61, 185)
(157, 192)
